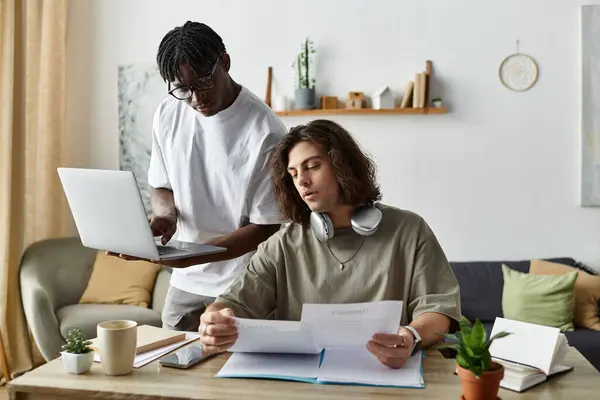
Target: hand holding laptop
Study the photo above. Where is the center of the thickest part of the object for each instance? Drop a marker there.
(163, 226)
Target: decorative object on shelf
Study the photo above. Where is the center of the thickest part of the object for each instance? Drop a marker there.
(280, 104)
(329, 102)
(77, 355)
(364, 111)
(269, 83)
(436, 102)
(305, 78)
(518, 72)
(428, 68)
(407, 96)
(355, 100)
(479, 376)
(384, 99)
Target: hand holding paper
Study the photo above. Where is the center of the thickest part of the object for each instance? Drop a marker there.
(340, 332)
(217, 331)
(392, 350)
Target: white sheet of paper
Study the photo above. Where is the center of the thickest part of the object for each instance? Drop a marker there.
(268, 336)
(264, 365)
(360, 366)
(529, 344)
(351, 325)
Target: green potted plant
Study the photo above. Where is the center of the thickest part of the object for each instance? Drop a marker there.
(436, 102)
(304, 94)
(479, 376)
(77, 355)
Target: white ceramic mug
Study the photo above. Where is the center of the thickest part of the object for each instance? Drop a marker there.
(117, 342)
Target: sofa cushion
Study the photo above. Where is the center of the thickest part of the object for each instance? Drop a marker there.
(481, 284)
(86, 317)
(118, 281)
(587, 292)
(481, 287)
(539, 299)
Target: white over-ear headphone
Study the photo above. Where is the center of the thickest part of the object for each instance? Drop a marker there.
(365, 221)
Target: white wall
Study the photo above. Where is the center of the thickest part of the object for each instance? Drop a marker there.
(497, 178)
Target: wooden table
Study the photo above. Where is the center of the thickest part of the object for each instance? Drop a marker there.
(153, 382)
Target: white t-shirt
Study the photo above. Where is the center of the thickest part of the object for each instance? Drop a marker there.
(217, 168)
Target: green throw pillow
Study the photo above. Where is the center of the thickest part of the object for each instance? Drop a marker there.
(539, 299)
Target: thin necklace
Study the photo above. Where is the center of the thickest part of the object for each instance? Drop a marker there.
(353, 255)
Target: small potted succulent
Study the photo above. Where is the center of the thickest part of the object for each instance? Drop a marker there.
(479, 376)
(436, 102)
(77, 355)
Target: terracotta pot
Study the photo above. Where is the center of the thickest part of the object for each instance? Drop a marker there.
(483, 388)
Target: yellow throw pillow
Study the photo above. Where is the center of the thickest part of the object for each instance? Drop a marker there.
(587, 292)
(117, 281)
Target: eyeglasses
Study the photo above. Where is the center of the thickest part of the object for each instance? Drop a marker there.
(201, 83)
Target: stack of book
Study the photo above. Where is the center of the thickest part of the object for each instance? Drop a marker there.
(153, 343)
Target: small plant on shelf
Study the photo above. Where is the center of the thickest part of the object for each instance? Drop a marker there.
(479, 376)
(305, 76)
(77, 355)
(436, 102)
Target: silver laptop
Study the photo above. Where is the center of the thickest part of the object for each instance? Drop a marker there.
(110, 215)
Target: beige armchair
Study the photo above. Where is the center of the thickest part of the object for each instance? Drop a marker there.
(53, 275)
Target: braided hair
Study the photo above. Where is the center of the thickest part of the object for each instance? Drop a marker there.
(194, 44)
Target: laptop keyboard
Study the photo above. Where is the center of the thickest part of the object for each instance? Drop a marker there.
(167, 250)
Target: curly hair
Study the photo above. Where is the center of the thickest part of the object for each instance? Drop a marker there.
(355, 171)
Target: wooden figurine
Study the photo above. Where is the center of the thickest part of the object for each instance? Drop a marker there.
(355, 100)
(329, 102)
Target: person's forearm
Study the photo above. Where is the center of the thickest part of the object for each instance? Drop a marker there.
(430, 325)
(238, 243)
(163, 203)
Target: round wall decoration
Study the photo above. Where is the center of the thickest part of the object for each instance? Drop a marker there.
(518, 72)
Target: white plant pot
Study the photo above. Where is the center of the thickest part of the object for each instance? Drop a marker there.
(77, 363)
(436, 104)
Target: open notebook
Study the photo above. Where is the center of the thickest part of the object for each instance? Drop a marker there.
(530, 355)
(340, 366)
(326, 346)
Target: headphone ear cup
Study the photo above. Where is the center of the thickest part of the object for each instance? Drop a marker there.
(366, 220)
(322, 226)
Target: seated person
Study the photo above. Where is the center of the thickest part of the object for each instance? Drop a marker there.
(322, 177)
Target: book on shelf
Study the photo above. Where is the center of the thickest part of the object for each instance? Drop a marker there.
(327, 345)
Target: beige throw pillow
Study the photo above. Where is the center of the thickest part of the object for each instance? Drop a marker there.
(587, 292)
(117, 281)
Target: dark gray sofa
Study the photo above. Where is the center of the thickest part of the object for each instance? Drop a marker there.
(481, 284)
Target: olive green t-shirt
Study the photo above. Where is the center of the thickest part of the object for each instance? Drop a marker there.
(401, 261)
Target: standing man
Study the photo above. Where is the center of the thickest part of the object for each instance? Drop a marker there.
(211, 141)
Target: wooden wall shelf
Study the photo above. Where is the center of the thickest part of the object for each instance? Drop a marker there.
(363, 111)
